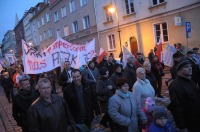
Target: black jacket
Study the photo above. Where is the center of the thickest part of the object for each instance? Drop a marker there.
(54, 116)
(91, 105)
(185, 102)
(21, 103)
(130, 73)
(63, 78)
(7, 84)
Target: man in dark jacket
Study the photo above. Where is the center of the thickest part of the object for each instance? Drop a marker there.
(65, 76)
(49, 113)
(81, 100)
(21, 103)
(185, 98)
(130, 71)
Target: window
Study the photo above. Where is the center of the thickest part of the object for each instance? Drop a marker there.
(75, 26)
(111, 42)
(86, 22)
(58, 33)
(66, 30)
(108, 15)
(72, 6)
(40, 37)
(161, 29)
(38, 22)
(129, 6)
(47, 17)
(42, 19)
(33, 27)
(56, 17)
(45, 37)
(50, 33)
(156, 2)
(63, 11)
(35, 41)
(83, 2)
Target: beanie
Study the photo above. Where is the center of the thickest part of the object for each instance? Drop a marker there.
(159, 111)
(103, 70)
(149, 105)
(182, 63)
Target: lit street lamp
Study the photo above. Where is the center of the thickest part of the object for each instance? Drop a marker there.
(113, 9)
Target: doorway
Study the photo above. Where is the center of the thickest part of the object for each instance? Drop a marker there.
(133, 45)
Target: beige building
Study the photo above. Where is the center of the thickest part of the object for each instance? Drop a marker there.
(142, 22)
(72, 20)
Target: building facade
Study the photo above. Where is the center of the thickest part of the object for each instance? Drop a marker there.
(143, 23)
(19, 35)
(9, 43)
(72, 20)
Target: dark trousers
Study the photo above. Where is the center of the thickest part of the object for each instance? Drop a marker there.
(159, 86)
(9, 94)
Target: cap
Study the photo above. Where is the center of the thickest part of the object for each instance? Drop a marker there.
(159, 111)
(182, 63)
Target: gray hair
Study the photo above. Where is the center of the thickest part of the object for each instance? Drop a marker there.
(139, 70)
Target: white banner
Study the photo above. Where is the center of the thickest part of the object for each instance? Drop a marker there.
(60, 51)
(168, 55)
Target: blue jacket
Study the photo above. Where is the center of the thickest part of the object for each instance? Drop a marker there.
(155, 128)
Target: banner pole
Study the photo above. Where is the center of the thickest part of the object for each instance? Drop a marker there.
(90, 72)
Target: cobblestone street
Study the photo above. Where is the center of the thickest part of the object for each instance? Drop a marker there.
(8, 124)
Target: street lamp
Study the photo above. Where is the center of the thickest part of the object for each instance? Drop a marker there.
(113, 9)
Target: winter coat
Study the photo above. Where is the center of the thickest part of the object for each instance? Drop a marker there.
(152, 79)
(155, 128)
(143, 90)
(185, 102)
(116, 76)
(124, 110)
(21, 103)
(63, 78)
(51, 116)
(130, 73)
(88, 77)
(103, 91)
(7, 84)
(71, 97)
(110, 67)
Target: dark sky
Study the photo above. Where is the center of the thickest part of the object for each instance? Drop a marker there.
(8, 11)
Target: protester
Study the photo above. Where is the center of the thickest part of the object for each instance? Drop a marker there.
(110, 65)
(103, 61)
(130, 71)
(105, 89)
(150, 75)
(65, 77)
(140, 58)
(196, 55)
(49, 113)
(142, 87)
(118, 73)
(160, 123)
(91, 73)
(20, 75)
(113, 58)
(158, 69)
(21, 103)
(148, 110)
(151, 55)
(185, 98)
(124, 109)
(7, 84)
(81, 99)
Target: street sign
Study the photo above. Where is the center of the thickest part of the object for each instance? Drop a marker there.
(188, 27)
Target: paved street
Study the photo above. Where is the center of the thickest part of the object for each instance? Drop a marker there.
(8, 124)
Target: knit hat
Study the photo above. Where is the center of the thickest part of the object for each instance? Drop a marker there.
(176, 55)
(195, 48)
(103, 70)
(182, 63)
(149, 104)
(159, 111)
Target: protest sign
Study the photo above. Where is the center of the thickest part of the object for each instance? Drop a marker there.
(58, 52)
(168, 55)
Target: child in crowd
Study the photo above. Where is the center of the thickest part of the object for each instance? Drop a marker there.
(148, 110)
(160, 123)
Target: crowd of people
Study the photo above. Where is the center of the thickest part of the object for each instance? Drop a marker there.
(125, 97)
